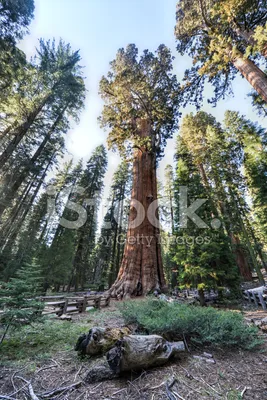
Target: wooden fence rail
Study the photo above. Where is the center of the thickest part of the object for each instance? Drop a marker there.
(256, 298)
(66, 305)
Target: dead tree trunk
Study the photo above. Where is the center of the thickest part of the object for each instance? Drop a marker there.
(135, 352)
(124, 352)
(141, 269)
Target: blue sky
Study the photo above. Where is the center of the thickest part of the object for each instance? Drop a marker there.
(99, 28)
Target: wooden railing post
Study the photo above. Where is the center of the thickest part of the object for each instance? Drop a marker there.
(65, 306)
(84, 305)
(97, 302)
(107, 301)
(255, 299)
(262, 301)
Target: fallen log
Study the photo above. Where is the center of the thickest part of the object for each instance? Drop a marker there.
(129, 352)
(137, 352)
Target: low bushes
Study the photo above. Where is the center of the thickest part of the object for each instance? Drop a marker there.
(199, 325)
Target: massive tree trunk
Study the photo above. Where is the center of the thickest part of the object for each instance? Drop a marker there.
(141, 270)
(249, 70)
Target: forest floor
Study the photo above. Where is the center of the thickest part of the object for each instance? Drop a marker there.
(44, 356)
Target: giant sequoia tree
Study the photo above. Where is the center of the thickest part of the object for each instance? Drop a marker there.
(141, 110)
(223, 37)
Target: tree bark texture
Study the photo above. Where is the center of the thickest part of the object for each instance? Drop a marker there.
(141, 269)
(21, 131)
(241, 259)
(134, 352)
(249, 70)
(99, 340)
(124, 352)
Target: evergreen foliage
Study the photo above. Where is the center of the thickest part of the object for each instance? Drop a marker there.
(200, 326)
(221, 37)
(18, 298)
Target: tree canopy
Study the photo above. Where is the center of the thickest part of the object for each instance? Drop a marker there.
(218, 34)
(140, 88)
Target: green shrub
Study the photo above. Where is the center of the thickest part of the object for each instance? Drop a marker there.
(199, 325)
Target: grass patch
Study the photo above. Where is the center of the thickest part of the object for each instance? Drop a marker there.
(41, 340)
(199, 325)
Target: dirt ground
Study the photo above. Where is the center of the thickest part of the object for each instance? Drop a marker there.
(234, 375)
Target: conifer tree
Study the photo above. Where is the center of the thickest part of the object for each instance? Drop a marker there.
(203, 255)
(141, 110)
(92, 182)
(18, 298)
(217, 154)
(55, 76)
(107, 255)
(223, 38)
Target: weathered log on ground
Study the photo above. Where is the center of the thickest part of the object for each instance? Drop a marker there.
(99, 340)
(135, 352)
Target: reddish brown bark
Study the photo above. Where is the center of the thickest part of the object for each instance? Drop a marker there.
(241, 260)
(141, 269)
(253, 74)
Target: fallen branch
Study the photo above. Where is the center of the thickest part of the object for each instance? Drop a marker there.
(31, 392)
(54, 392)
(30, 388)
(186, 345)
(45, 368)
(172, 395)
(179, 397)
(243, 392)
(158, 386)
(118, 391)
(78, 373)
(169, 393)
(206, 383)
